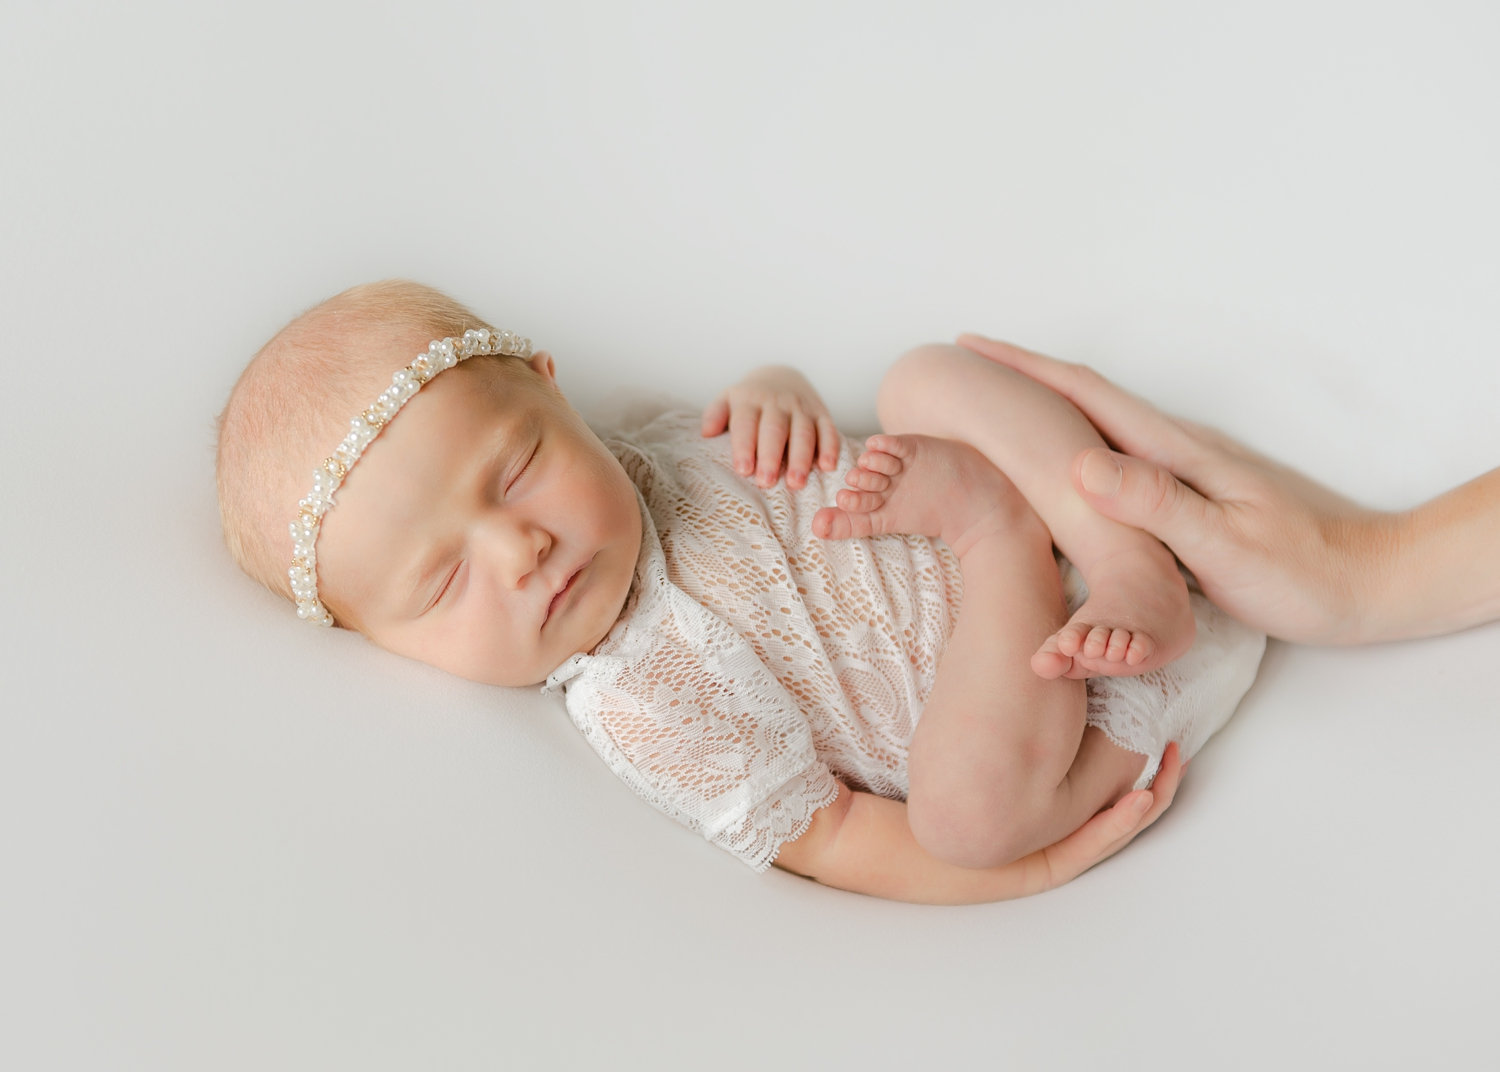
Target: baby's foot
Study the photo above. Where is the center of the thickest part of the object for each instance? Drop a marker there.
(1137, 617)
(927, 487)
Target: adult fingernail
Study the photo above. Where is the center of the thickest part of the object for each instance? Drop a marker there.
(1100, 473)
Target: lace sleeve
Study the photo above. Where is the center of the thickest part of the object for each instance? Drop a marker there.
(681, 709)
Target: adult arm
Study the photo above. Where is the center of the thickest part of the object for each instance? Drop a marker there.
(1270, 546)
(862, 843)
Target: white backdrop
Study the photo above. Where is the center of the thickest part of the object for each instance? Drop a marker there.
(231, 843)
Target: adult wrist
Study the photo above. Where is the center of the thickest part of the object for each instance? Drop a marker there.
(1387, 595)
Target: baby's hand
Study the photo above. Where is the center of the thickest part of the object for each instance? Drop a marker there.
(774, 414)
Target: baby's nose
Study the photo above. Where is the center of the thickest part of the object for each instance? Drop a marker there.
(515, 546)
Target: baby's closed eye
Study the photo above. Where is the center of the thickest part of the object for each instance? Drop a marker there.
(445, 586)
(526, 467)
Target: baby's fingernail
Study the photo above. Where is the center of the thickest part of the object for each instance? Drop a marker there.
(1101, 474)
(1140, 804)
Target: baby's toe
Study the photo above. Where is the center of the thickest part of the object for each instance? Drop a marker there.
(830, 523)
(866, 480)
(878, 461)
(1069, 639)
(900, 447)
(1119, 645)
(1050, 663)
(1140, 649)
(859, 502)
(1096, 643)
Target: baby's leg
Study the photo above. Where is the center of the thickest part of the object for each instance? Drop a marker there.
(1137, 616)
(1000, 763)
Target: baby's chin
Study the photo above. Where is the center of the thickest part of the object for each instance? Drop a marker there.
(500, 671)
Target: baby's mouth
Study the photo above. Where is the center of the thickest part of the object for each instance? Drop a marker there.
(563, 591)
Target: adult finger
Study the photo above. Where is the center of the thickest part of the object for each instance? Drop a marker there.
(1156, 800)
(1163, 786)
(1110, 831)
(1094, 841)
(1146, 496)
(1132, 423)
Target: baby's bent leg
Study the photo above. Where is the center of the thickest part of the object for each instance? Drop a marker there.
(1137, 616)
(1000, 764)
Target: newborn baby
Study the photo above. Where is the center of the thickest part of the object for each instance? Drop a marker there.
(866, 673)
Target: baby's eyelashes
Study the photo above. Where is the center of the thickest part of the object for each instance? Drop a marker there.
(513, 481)
(443, 586)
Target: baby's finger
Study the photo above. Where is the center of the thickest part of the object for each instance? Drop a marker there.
(829, 443)
(800, 447)
(743, 423)
(716, 417)
(770, 445)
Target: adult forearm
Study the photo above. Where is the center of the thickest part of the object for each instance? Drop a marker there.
(1437, 566)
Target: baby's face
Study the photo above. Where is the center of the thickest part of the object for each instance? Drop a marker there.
(487, 531)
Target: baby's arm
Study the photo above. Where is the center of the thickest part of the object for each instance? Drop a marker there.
(774, 413)
(863, 843)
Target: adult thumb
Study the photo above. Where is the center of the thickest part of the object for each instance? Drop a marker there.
(1146, 496)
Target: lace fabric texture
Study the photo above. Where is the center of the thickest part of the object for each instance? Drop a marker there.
(755, 664)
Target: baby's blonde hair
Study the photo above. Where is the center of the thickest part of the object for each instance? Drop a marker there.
(293, 403)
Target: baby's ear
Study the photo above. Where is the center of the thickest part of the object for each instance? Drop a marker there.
(541, 363)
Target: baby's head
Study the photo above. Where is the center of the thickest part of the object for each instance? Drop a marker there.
(484, 529)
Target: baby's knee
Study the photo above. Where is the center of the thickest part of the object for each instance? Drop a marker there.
(912, 383)
(970, 830)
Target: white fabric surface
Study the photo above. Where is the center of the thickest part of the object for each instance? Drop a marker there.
(232, 844)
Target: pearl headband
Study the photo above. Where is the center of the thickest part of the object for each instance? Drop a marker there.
(441, 354)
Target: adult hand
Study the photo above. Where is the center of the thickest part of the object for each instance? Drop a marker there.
(1106, 833)
(771, 414)
(1271, 547)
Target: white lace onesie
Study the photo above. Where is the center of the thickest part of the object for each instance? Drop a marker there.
(755, 663)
